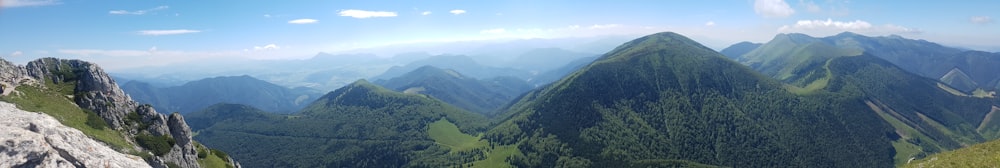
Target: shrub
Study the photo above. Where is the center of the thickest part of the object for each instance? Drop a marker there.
(159, 145)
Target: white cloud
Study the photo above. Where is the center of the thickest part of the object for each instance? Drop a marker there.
(138, 12)
(16, 53)
(266, 47)
(772, 8)
(267, 15)
(166, 32)
(604, 26)
(153, 49)
(457, 11)
(425, 13)
(361, 14)
(710, 23)
(26, 3)
(574, 26)
(981, 20)
(303, 21)
(829, 27)
(493, 31)
(810, 6)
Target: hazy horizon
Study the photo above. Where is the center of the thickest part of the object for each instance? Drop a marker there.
(131, 34)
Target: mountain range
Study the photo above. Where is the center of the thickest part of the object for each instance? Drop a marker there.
(481, 96)
(662, 100)
(197, 95)
(786, 57)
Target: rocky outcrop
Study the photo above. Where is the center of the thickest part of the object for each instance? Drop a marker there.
(37, 140)
(10, 76)
(184, 152)
(96, 91)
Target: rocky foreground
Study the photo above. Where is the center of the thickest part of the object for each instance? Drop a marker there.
(37, 140)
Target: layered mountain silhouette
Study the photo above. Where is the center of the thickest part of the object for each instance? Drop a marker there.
(481, 96)
(662, 100)
(787, 56)
(196, 95)
(460, 63)
(359, 125)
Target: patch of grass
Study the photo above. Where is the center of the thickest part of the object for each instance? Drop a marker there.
(980, 155)
(447, 134)
(904, 151)
(213, 161)
(57, 105)
(497, 157)
(951, 90)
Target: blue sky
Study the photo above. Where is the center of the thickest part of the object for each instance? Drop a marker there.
(122, 34)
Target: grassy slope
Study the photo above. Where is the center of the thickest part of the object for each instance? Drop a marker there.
(447, 134)
(980, 155)
(63, 109)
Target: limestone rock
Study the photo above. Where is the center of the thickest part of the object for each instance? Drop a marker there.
(31, 139)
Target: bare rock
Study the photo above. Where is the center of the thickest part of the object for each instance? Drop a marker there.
(30, 139)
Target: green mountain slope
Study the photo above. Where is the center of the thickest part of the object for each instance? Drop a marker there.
(481, 96)
(787, 56)
(665, 100)
(359, 125)
(959, 80)
(196, 95)
(736, 50)
(925, 116)
(979, 155)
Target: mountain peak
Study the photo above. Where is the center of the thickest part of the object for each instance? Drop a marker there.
(659, 42)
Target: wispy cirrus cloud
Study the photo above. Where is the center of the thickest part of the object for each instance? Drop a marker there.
(138, 12)
(362, 14)
(457, 11)
(26, 3)
(166, 32)
(303, 21)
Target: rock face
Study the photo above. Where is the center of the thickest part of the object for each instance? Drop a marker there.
(96, 91)
(38, 140)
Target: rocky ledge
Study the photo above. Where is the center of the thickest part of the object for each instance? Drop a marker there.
(38, 140)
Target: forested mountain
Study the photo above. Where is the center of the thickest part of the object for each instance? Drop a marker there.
(359, 125)
(481, 96)
(196, 95)
(662, 100)
(787, 55)
(688, 105)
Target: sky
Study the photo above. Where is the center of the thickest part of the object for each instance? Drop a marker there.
(121, 34)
